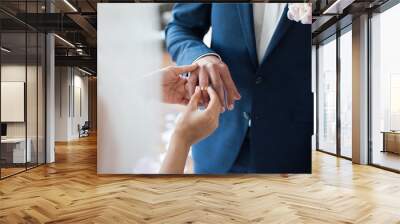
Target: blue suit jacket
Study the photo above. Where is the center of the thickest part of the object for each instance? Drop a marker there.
(276, 94)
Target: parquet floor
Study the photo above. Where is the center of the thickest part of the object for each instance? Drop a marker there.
(69, 191)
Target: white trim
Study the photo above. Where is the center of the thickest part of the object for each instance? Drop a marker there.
(70, 5)
(64, 40)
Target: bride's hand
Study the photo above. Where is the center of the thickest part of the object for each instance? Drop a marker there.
(173, 86)
(194, 125)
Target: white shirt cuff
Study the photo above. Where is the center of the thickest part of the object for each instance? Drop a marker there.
(208, 54)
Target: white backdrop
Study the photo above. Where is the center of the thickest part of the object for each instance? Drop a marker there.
(129, 48)
(12, 101)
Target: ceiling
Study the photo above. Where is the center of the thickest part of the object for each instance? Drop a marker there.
(76, 25)
(331, 16)
(76, 22)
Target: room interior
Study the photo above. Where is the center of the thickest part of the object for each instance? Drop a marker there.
(22, 102)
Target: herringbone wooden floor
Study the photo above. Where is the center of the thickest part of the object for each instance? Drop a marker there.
(69, 191)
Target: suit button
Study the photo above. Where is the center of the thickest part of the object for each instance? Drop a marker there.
(259, 80)
(246, 115)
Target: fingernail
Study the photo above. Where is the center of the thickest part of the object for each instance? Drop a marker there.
(230, 107)
(222, 109)
(197, 88)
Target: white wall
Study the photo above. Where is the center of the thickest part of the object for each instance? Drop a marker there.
(33, 126)
(129, 47)
(12, 73)
(13, 100)
(61, 103)
(79, 117)
(68, 81)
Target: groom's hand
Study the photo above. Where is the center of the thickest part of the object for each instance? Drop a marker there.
(212, 71)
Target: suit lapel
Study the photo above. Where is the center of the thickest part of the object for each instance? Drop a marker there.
(245, 11)
(281, 29)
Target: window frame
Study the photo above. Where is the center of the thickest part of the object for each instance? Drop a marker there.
(334, 37)
(381, 9)
(31, 30)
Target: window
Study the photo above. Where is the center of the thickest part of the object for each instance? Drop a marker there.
(333, 137)
(22, 78)
(327, 97)
(346, 94)
(385, 89)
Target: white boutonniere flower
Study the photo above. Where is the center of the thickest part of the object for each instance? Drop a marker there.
(300, 12)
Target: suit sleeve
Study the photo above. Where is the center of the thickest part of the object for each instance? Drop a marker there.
(184, 34)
